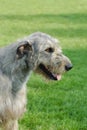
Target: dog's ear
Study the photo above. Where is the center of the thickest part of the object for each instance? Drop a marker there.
(23, 49)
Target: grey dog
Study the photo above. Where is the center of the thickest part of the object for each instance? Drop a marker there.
(39, 52)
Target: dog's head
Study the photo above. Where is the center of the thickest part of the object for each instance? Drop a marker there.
(45, 56)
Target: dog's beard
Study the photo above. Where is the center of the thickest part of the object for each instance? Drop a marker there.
(41, 69)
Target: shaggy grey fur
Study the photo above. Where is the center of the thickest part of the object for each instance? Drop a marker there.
(38, 52)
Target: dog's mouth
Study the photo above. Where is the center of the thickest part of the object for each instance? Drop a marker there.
(51, 75)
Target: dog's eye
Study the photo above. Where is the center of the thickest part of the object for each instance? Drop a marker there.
(50, 50)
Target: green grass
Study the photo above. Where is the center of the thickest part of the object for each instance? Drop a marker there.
(52, 105)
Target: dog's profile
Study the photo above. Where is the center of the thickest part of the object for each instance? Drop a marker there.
(39, 52)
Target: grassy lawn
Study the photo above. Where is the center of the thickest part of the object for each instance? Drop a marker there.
(52, 105)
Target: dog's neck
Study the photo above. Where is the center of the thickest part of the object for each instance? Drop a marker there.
(20, 75)
(17, 70)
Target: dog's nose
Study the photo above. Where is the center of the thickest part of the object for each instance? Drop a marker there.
(68, 67)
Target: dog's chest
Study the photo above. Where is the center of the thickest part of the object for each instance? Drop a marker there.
(13, 107)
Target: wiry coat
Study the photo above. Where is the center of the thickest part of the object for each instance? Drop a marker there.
(13, 76)
(39, 52)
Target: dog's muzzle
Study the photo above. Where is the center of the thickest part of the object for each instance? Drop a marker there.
(68, 67)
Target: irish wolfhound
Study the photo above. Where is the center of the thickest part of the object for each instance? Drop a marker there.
(38, 52)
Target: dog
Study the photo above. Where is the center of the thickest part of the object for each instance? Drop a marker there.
(39, 52)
